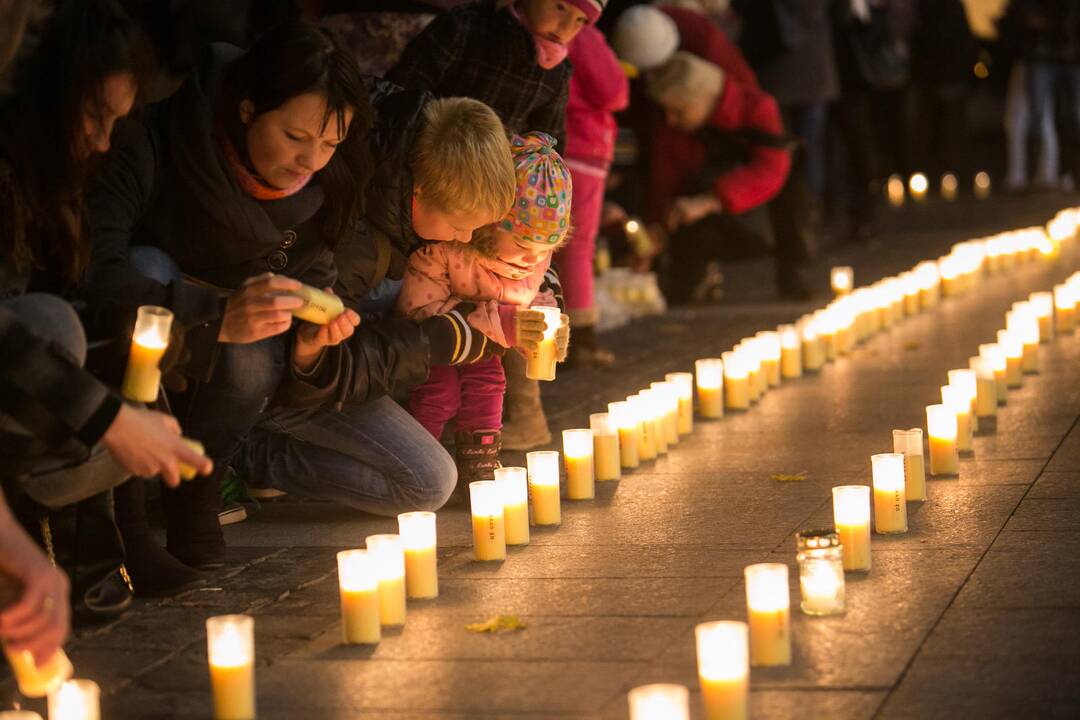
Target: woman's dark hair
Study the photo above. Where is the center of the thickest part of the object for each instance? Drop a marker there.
(61, 77)
(295, 59)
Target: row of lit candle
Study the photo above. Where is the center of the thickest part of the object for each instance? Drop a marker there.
(727, 649)
(918, 186)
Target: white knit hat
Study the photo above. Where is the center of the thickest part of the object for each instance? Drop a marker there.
(645, 37)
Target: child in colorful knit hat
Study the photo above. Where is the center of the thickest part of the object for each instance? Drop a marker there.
(501, 272)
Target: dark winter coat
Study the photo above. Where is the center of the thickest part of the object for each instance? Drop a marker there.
(483, 52)
(1043, 30)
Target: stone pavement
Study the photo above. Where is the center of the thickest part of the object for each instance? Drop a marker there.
(973, 613)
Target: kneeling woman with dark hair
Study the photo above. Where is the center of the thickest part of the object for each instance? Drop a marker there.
(218, 205)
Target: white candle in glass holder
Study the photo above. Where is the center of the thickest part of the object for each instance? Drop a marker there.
(768, 604)
(358, 587)
(966, 381)
(81, 700)
(489, 532)
(419, 538)
(813, 351)
(723, 661)
(772, 353)
(851, 516)
(1042, 304)
(659, 702)
(710, 387)
(627, 425)
(958, 401)
(513, 485)
(35, 680)
(1026, 329)
(669, 400)
(986, 394)
(19, 715)
(580, 467)
(1013, 351)
(605, 447)
(894, 190)
(545, 505)
(652, 409)
(918, 185)
(949, 187)
(890, 503)
(540, 363)
(790, 352)
(910, 286)
(941, 429)
(639, 408)
(389, 556)
(1064, 309)
(230, 641)
(750, 350)
(910, 444)
(149, 340)
(982, 185)
(842, 279)
(736, 381)
(684, 388)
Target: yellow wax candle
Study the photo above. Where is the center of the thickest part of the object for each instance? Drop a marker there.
(389, 556)
(187, 472)
(76, 700)
(736, 382)
(768, 604)
(668, 398)
(605, 447)
(851, 516)
(358, 585)
(995, 358)
(580, 468)
(540, 363)
(419, 538)
(1064, 309)
(985, 387)
(968, 385)
(842, 279)
(890, 504)
(659, 702)
(231, 652)
(941, 429)
(150, 338)
(514, 489)
(723, 659)
(910, 443)
(545, 507)
(790, 352)
(489, 533)
(956, 400)
(684, 388)
(1042, 303)
(319, 307)
(624, 419)
(918, 186)
(771, 371)
(1013, 350)
(813, 353)
(647, 449)
(894, 190)
(710, 387)
(652, 414)
(35, 680)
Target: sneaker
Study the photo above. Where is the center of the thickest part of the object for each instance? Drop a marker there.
(267, 493)
(232, 512)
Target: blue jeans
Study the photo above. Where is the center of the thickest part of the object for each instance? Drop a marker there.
(1043, 79)
(808, 123)
(372, 456)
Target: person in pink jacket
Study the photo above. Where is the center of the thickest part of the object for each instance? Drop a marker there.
(598, 89)
(498, 273)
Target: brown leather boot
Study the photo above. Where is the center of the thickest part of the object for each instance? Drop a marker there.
(524, 425)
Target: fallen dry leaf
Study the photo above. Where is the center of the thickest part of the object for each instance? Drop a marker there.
(797, 477)
(913, 345)
(497, 623)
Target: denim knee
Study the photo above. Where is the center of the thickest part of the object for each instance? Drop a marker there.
(252, 370)
(154, 263)
(434, 477)
(54, 319)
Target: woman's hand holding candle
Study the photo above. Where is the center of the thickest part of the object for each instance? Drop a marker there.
(311, 339)
(147, 443)
(39, 620)
(261, 308)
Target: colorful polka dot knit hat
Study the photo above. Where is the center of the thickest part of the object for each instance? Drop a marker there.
(541, 211)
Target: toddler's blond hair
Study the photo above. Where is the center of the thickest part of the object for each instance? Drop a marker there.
(461, 160)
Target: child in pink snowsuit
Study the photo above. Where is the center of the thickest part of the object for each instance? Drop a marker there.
(501, 270)
(598, 89)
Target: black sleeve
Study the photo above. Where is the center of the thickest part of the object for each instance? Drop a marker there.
(46, 392)
(551, 282)
(551, 116)
(116, 200)
(432, 56)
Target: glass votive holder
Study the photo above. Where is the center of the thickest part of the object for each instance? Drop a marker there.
(489, 535)
(659, 702)
(230, 645)
(76, 700)
(513, 485)
(723, 660)
(821, 572)
(419, 537)
(606, 458)
(544, 504)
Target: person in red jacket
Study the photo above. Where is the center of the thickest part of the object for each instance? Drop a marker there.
(730, 160)
(598, 88)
